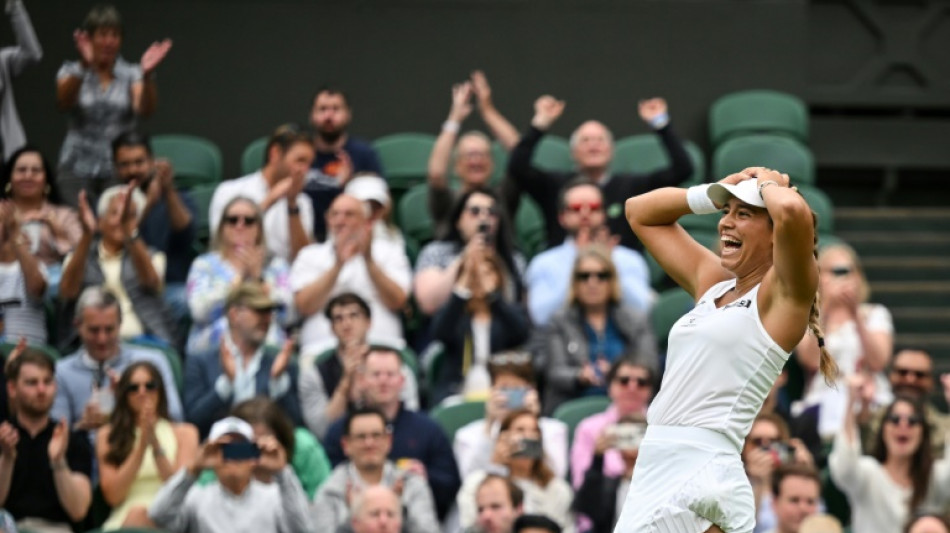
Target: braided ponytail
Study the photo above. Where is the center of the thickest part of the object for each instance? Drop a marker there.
(826, 364)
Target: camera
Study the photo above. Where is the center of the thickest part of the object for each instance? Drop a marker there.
(240, 451)
(530, 448)
(781, 453)
(627, 435)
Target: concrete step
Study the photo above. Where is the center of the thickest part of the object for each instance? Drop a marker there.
(906, 268)
(870, 244)
(895, 294)
(921, 319)
(849, 219)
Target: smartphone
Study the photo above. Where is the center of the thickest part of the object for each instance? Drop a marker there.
(628, 435)
(514, 397)
(781, 453)
(240, 451)
(530, 448)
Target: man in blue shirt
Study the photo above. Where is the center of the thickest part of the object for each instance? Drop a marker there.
(339, 155)
(168, 223)
(581, 214)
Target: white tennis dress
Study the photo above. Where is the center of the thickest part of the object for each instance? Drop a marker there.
(721, 364)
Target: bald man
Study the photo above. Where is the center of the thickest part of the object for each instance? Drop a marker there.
(350, 260)
(376, 509)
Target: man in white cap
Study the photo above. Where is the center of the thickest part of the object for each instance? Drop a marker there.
(372, 190)
(237, 501)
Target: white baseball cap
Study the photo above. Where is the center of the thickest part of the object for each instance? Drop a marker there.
(368, 187)
(231, 425)
(746, 190)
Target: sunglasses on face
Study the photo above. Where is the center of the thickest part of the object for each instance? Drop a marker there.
(840, 271)
(247, 220)
(905, 372)
(762, 442)
(912, 420)
(577, 207)
(149, 386)
(625, 380)
(601, 275)
(477, 210)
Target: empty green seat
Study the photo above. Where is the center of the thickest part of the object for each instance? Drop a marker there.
(197, 160)
(404, 158)
(821, 204)
(772, 151)
(201, 196)
(572, 412)
(643, 154)
(252, 158)
(757, 111)
(669, 307)
(414, 220)
(530, 228)
(456, 416)
(553, 153)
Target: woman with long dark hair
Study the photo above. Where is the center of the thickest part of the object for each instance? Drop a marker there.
(520, 449)
(140, 448)
(478, 223)
(900, 476)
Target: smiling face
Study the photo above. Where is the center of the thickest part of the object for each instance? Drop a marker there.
(631, 389)
(902, 430)
(592, 146)
(583, 208)
(745, 235)
(367, 443)
(473, 160)
(912, 373)
(106, 42)
(28, 178)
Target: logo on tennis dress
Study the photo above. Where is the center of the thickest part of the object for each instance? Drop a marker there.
(741, 303)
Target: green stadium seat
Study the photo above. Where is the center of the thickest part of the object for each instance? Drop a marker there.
(773, 151)
(456, 416)
(405, 158)
(413, 219)
(669, 307)
(252, 158)
(197, 160)
(757, 111)
(553, 153)
(407, 354)
(171, 355)
(530, 228)
(572, 412)
(201, 195)
(643, 154)
(821, 204)
(51, 351)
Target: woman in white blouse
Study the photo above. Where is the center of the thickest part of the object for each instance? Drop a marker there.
(900, 476)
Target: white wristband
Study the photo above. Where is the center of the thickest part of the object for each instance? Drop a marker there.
(700, 202)
(451, 126)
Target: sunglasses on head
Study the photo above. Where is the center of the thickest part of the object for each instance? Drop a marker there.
(248, 220)
(601, 275)
(477, 210)
(577, 207)
(840, 271)
(625, 380)
(904, 372)
(912, 420)
(136, 387)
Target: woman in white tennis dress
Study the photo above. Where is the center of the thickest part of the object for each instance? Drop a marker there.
(754, 303)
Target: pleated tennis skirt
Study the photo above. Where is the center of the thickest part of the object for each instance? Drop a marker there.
(686, 480)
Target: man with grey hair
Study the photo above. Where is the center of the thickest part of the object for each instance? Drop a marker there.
(376, 509)
(592, 147)
(121, 262)
(84, 379)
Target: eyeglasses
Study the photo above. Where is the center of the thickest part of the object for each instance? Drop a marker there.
(477, 210)
(577, 207)
(149, 386)
(840, 271)
(248, 220)
(904, 372)
(602, 275)
(912, 420)
(625, 380)
(375, 435)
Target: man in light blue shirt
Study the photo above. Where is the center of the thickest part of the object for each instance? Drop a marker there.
(87, 374)
(581, 214)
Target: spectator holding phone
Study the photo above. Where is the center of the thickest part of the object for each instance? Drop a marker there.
(519, 451)
(366, 443)
(477, 225)
(767, 447)
(600, 497)
(237, 501)
(476, 322)
(513, 387)
(593, 331)
(140, 448)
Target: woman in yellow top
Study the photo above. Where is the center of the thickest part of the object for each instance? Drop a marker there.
(140, 448)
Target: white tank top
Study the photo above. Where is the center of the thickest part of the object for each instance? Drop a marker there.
(720, 366)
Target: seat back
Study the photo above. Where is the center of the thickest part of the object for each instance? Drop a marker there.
(669, 307)
(201, 195)
(404, 158)
(572, 412)
(414, 220)
(642, 154)
(758, 111)
(196, 160)
(772, 151)
(252, 158)
(553, 153)
(530, 230)
(823, 207)
(171, 355)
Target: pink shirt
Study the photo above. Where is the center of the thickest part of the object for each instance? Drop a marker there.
(585, 439)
